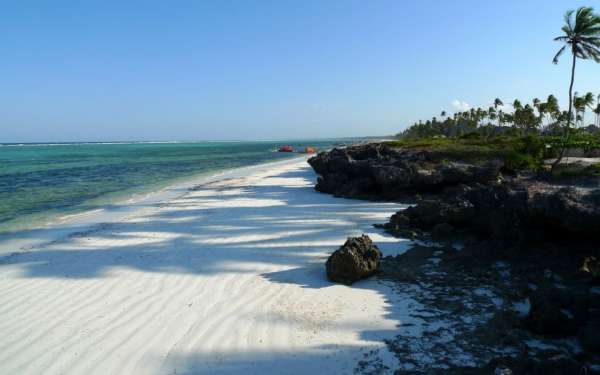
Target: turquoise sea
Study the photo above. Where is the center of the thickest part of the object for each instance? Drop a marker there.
(39, 182)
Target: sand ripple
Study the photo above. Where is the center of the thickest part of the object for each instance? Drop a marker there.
(226, 278)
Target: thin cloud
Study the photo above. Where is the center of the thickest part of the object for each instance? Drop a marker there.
(460, 106)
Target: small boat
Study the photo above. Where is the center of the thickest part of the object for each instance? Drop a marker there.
(286, 148)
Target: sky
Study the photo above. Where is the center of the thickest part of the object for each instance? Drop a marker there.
(208, 70)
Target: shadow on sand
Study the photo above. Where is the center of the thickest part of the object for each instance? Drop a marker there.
(278, 228)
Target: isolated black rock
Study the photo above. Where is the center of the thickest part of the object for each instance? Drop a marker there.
(356, 259)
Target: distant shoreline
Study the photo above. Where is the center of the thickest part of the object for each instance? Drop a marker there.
(284, 140)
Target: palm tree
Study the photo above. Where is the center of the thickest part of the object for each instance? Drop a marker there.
(481, 115)
(582, 36)
(542, 111)
(492, 114)
(579, 105)
(497, 103)
(597, 112)
(537, 104)
(588, 102)
(517, 104)
(552, 107)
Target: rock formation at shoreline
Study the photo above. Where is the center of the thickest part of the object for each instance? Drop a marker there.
(356, 259)
(462, 196)
(544, 228)
(517, 210)
(380, 171)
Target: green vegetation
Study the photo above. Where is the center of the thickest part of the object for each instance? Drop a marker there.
(576, 170)
(538, 117)
(578, 139)
(518, 153)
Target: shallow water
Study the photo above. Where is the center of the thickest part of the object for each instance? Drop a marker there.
(41, 182)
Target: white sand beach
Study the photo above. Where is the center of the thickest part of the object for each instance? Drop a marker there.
(227, 278)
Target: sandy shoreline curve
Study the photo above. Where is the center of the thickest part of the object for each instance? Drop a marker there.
(67, 224)
(223, 278)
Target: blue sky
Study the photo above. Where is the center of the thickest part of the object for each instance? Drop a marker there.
(192, 70)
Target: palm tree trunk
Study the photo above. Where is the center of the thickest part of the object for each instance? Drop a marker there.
(567, 132)
(571, 91)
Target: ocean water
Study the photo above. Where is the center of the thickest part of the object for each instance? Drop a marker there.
(42, 182)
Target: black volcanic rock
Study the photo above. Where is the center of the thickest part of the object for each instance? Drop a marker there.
(545, 227)
(356, 259)
(471, 196)
(589, 336)
(380, 171)
(508, 211)
(549, 314)
(572, 209)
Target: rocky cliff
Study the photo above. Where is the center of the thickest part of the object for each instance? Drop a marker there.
(379, 171)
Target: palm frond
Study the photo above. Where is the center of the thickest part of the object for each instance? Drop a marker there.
(581, 32)
(560, 52)
(592, 53)
(568, 15)
(582, 18)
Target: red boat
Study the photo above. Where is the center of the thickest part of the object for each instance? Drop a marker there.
(286, 149)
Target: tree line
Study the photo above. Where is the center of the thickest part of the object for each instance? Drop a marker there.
(581, 37)
(537, 116)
